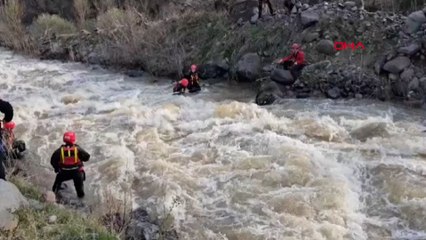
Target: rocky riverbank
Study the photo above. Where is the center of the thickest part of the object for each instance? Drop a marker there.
(231, 43)
(32, 215)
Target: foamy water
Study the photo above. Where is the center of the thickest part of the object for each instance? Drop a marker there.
(302, 169)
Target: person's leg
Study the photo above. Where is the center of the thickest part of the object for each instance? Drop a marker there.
(296, 71)
(78, 183)
(260, 8)
(271, 10)
(2, 170)
(58, 181)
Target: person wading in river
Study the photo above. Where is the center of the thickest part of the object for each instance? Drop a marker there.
(67, 161)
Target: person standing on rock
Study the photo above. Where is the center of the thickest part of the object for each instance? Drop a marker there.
(268, 2)
(295, 62)
(7, 109)
(67, 161)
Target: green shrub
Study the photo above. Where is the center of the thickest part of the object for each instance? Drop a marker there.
(48, 25)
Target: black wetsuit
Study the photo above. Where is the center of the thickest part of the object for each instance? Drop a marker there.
(7, 109)
(194, 82)
(268, 2)
(74, 173)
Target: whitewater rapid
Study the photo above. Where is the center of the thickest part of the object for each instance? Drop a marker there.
(301, 169)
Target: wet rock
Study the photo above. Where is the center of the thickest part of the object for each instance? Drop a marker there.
(418, 16)
(8, 221)
(414, 85)
(49, 197)
(358, 96)
(11, 198)
(370, 130)
(135, 73)
(214, 69)
(268, 92)
(282, 76)
(422, 83)
(52, 219)
(243, 9)
(397, 65)
(70, 100)
(310, 37)
(142, 227)
(94, 58)
(249, 67)
(410, 50)
(407, 75)
(378, 65)
(326, 47)
(309, 18)
(350, 4)
(254, 18)
(268, 68)
(393, 77)
(333, 93)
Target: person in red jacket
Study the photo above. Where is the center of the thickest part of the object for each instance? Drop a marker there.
(181, 86)
(295, 62)
(67, 161)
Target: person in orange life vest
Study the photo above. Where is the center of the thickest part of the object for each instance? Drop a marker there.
(295, 62)
(181, 86)
(194, 79)
(68, 164)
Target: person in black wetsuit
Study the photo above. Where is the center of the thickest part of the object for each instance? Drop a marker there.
(67, 161)
(194, 79)
(7, 109)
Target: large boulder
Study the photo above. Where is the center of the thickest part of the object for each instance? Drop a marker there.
(414, 21)
(11, 199)
(268, 92)
(282, 76)
(370, 130)
(214, 69)
(411, 49)
(249, 67)
(243, 9)
(326, 47)
(309, 18)
(397, 65)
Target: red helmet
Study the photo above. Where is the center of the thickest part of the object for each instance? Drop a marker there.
(10, 125)
(184, 82)
(69, 137)
(295, 46)
(194, 67)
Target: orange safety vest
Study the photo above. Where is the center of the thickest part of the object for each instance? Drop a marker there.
(71, 160)
(194, 78)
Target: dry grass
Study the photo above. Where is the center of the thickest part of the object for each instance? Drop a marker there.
(70, 224)
(12, 31)
(81, 8)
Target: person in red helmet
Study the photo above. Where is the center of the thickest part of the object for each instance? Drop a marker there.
(67, 161)
(295, 62)
(181, 86)
(194, 79)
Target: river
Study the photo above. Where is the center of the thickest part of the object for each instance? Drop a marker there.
(300, 169)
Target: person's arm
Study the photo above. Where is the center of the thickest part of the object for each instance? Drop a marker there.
(285, 59)
(54, 160)
(300, 58)
(82, 154)
(7, 109)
